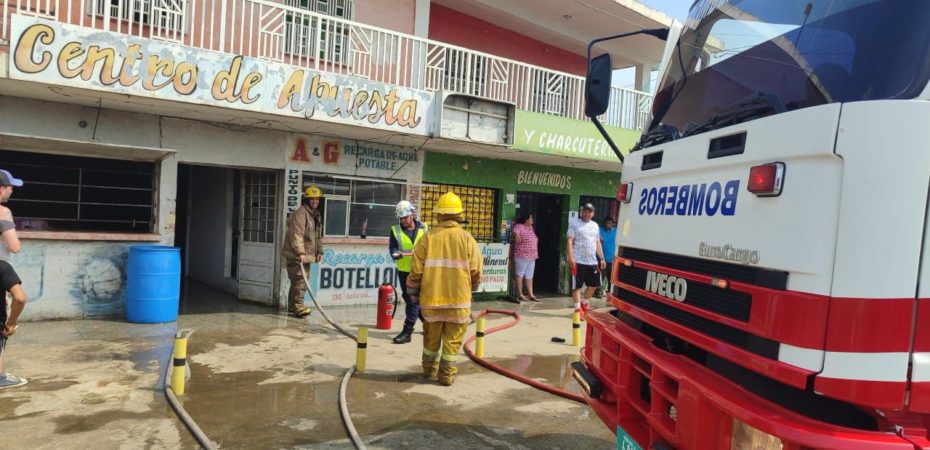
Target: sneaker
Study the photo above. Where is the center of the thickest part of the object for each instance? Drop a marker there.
(9, 381)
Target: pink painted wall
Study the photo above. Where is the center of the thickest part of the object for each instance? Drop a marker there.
(453, 27)
(396, 15)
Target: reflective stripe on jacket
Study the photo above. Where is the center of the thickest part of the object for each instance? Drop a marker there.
(446, 266)
(403, 264)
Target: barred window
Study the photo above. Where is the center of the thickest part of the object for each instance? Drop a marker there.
(71, 193)
(169, 14)
(300, 30)
(480, 208)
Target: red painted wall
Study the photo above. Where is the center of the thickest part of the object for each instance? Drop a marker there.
(453, 27)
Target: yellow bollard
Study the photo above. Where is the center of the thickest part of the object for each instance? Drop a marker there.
(362, 350)
(479, 346)
(180, 361)
(576, 329)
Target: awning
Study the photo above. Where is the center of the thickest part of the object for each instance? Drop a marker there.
(74, 147)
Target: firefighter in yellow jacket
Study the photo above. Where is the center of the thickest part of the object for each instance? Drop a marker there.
(302, 246)
(446, 268)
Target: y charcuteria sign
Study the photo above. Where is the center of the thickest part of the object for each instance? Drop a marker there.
(554, 135)
(65, 55)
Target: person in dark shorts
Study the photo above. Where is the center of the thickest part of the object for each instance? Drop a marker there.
(11, 285)
(585, 257)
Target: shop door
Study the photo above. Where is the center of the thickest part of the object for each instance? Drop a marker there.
(547, 211)
(257, 226)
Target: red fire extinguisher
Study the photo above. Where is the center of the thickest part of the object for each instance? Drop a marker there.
(386, 296)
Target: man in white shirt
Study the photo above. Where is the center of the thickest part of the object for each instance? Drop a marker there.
(585, 257)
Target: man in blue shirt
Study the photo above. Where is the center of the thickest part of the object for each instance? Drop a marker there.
(609, 243)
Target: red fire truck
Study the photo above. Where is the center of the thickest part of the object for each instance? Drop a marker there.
(771, 288)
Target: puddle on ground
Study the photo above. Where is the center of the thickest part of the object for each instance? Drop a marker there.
(8, 406)
(237, 412)
(553, 370)
(81, 423)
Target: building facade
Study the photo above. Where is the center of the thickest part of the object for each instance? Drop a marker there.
(198, 123)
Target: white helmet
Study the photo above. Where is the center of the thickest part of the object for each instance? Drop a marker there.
(404, 209)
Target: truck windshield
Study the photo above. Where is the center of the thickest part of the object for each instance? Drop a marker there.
(803, 53)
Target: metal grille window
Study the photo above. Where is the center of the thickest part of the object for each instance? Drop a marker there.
(604, 207)
(300, 31)
(350, 205)
(465, 72)
(72, 193)
(479, 203)
(169, 14)
(258, 206)
(549, 93)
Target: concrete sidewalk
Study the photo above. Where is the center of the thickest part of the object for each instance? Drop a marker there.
(263, 380)
(92, 384)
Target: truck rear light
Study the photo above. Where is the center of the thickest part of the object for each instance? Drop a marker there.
(766, 180)
(625, 192)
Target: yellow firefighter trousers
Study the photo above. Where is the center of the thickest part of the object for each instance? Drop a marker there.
(448, 335)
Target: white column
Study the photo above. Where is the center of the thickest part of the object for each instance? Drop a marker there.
(421, 19)
(642, 78)
(167, 198)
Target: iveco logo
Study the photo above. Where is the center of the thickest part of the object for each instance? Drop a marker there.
(667, 286)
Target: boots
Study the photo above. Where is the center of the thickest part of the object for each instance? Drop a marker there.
(301, 311)
(404, 336)
(447, 374)
(430, 369)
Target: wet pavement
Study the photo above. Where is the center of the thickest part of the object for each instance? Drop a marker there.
(263, 380)
(92, 384)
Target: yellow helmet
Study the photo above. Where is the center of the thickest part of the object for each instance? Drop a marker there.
(449, 203)
(313, 192)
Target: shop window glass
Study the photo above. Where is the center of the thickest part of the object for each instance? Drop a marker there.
(480, 209)
(351, 205)
(70, 193)
(373, 208)
(335, 217)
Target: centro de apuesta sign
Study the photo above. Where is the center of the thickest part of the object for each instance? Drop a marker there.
(60, 54)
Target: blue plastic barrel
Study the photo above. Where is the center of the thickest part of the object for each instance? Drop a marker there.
(153, 283)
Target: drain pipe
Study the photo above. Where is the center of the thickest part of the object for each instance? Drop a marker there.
(343, 406)
(509, 373)
(178, 408)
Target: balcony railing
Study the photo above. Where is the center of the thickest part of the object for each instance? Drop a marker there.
(276, 32)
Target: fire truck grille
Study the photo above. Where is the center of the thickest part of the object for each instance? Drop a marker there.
(773, 279)
(726, 302)
(761, 346)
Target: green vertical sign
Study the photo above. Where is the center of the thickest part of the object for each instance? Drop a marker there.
(554, 135)
(625, 442)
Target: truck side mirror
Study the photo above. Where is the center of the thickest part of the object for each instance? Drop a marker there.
(597, 86)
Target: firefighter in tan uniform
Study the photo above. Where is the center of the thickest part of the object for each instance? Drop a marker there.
(302, 246)
(446, 268)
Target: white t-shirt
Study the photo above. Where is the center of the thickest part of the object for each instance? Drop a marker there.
(586, 235)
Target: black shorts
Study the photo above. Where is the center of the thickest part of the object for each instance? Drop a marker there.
(586, 275)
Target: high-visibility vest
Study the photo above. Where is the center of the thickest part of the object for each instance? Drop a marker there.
(403, 264)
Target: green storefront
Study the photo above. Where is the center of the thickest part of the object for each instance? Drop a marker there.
(496, 190)
(549, 192)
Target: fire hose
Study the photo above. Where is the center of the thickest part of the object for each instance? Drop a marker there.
(509, 373)
(343, 407)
